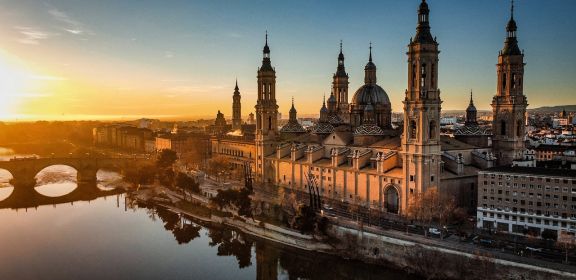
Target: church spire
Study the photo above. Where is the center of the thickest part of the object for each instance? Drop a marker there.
(266, 64)
(236, 87)
(511, 43)
(370, 70)
(292, 111)
(423, 35)
(370, 56)
(341, 71)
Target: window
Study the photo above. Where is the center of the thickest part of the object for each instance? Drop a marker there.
(502, 127)
(423, 76)
(412, 129)
(432, 131)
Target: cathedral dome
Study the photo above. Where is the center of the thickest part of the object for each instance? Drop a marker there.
(370, 93)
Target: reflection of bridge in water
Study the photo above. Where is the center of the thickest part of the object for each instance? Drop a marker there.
(30, 198)
(24, 173)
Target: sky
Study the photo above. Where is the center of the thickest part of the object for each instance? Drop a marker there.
(110, 59)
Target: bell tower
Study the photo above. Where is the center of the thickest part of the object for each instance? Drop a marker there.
(266, 115)
(509, 104)
(421, 155)
(236, 108)
(340, 88)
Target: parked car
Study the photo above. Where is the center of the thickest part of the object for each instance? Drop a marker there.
(434, 231)
(534, 249)
(483, 241)
(327, 207)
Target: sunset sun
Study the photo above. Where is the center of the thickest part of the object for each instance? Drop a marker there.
(13, 82)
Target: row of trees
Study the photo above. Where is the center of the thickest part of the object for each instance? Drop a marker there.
(237, 200)
(430, 208)
(163, 171)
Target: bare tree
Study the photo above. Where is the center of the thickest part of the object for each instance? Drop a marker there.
(566, 242)
(432, 264)
(430, 207)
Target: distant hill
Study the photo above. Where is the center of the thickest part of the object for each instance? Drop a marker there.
(551, 109)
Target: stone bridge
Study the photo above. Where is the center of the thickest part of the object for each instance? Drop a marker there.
(24, 170)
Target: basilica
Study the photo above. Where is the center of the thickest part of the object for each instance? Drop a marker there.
(354, 152)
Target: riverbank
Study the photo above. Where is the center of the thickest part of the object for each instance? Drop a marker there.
(425, 257)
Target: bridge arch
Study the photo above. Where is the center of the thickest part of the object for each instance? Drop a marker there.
(391, 194)
(6, 188)
(56, 180)
(107, 179)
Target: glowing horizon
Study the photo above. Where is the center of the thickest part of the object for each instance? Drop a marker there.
(67, 60)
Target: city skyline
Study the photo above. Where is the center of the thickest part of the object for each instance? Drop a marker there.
(79, 60)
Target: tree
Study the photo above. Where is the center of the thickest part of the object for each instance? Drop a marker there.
(238, 199)
(166, 158)
(140, 175)
(430, 206)
(187, 183)
(281, 197)
(566, 242)
(217, 165)
(549, 234)
(166, 177)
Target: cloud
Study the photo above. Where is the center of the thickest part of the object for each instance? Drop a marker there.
(32, 36)
(73, 26)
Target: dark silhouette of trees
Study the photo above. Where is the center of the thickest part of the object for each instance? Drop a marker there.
(187, 183)
(140, 175)
(166, 158)
(231, 243)
(549, 234)
(430, 207)
(239, 200)
(186, 233)
(218, 165)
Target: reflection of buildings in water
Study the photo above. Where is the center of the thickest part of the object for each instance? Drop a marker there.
(272, 259)
(266, 262)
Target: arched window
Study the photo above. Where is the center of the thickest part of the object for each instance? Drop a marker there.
(503, 81)
(513, 80)
(519, 128)
(432, 130)
(269, 123)
(502, 127)
(412, 129)
(423, 76)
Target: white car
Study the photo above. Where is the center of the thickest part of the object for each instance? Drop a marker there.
(434, 231)
(534, 249)
(327, 207)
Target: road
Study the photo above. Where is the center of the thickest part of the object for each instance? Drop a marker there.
(377, 222)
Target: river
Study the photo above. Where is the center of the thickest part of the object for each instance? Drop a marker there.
(113, 238)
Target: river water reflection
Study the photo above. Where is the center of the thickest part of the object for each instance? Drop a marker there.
(108, 238)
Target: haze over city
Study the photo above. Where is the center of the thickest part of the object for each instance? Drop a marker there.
(63, 59)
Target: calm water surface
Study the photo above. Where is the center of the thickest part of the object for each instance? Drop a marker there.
(111, 238)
